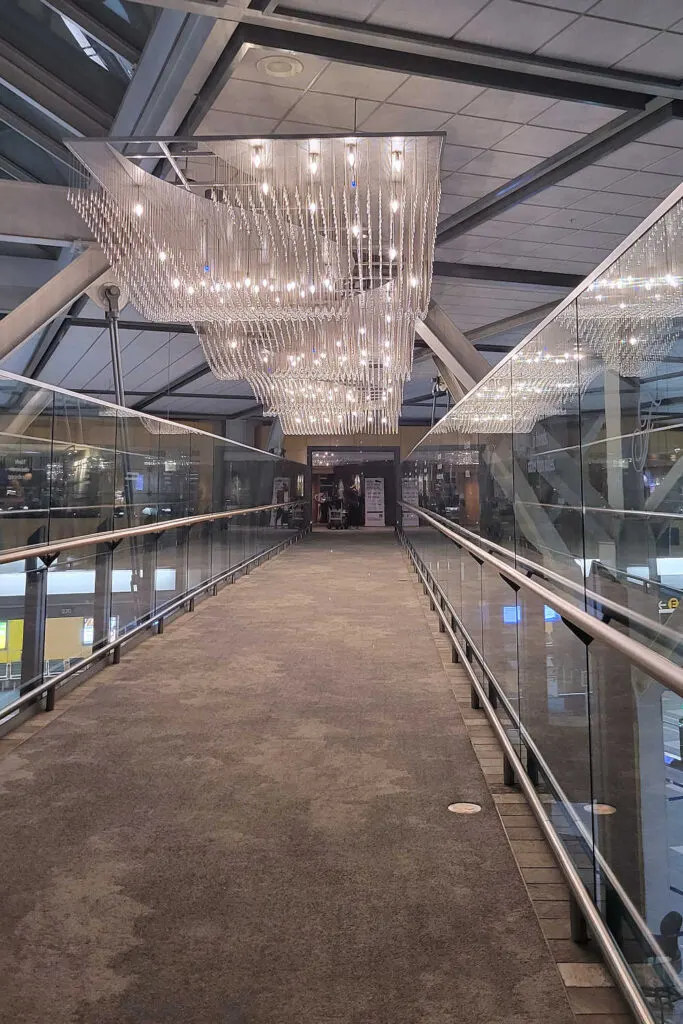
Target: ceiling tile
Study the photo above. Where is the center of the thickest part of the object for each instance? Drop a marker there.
(524, 214)
(577, 117)
(248, 68)
(661, 56)
(389, 117)
(645, 183)
(354, 9)
(452, 204)
(477, 131)
(572, 218)
(218, 122)
(669, 134)
(334, 111)
(508, 106)
(513, 247)
(439, 17)
(494, 229)
(351, 80)
(641, 208)
(435, 94)
(600, 239)
(540, 233)
(507, 165)
(242, 97)
(636, 156)
(559, 196)
(603, 202)
(595, 177)
(596, 41)
(455, 157)
(578, 6)
(672, 164)
(515, 26)
(535, 141)
(652, 13)
(470, 184)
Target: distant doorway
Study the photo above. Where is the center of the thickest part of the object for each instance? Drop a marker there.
(354, 487)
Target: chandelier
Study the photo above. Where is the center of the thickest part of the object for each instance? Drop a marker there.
(295, 258)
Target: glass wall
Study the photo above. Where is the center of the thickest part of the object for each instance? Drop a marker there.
(566, 461)
(71, 467)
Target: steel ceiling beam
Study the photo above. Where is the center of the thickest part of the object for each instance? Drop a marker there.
(29, 131)
(180, 382)
(411, 53)
(611, 137)
(9, 167)
(49, 340)
(131, 325)
(92, 26)
(39, 214)
(511, 275)
(508, 323)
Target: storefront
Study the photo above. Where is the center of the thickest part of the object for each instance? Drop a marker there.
(354, 487)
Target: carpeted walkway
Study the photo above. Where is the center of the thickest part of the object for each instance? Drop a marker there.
(246, 823)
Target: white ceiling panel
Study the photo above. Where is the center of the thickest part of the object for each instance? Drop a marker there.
(248, 68)
(352, 80)
(577, 117)
(536, 141)
(597, 41)
(508, 106)
(218, 122)
(515, 26)
(477, 131)
(333, 111)
(437, 17)
(244, 97)
(433, 94)
(389, 117)
(455, 157)
(652, 13)
(356, 10)
(505, 165)
(559, 196)
(672, 164)
(452, 204)
(646, 183)
(603, 202)
(474, 185)
(663, 55)
(596, 177)
(637, 155)
(571, 218)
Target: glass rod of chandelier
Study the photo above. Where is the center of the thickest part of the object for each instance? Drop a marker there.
(310, 257)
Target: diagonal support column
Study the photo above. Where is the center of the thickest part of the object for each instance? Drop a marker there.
(53, 298)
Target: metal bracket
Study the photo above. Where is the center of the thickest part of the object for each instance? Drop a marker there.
(578, 632)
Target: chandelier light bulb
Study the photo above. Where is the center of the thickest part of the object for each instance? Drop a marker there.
(394, 205)
(265, 188)
(312, 207)
(396, 161)
(176, 282)
(355, 230)
(313, 165)
(247, 282)
(257, 156)
(351, 156)
(392, 253)
(138, 209)
(162, 256)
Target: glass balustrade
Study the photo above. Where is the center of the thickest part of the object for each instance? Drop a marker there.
(566, 462)
(72, 467)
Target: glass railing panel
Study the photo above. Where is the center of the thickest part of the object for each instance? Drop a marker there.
(170, 576)
(78, 617)
(133, 582)
(199, 554)
(137, 471)
(472, 608)
(500, 618)
(554, 711)
(637, 818)
(26, 415)
(82, 469)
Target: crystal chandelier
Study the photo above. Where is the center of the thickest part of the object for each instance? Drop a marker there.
(297, 259)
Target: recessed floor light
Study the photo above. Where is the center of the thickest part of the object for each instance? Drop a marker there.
(280, 66)
(464, 808)
(599, 809)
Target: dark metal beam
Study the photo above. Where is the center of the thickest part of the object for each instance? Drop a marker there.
(180, 382)
(104, 34)
(513, 275)
(29, 131)
(131, 325)
(368, 55)
(100, 392)
(9, 167)
(245, 412)
(587, 151)
(216, 80)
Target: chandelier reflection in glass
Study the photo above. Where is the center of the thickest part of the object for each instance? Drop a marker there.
(313, 256)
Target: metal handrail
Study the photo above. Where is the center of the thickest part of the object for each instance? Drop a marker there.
(617, 610)
(543, 767)
(654, 665)
(186, 599)
(114, 536)
(579, 893)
